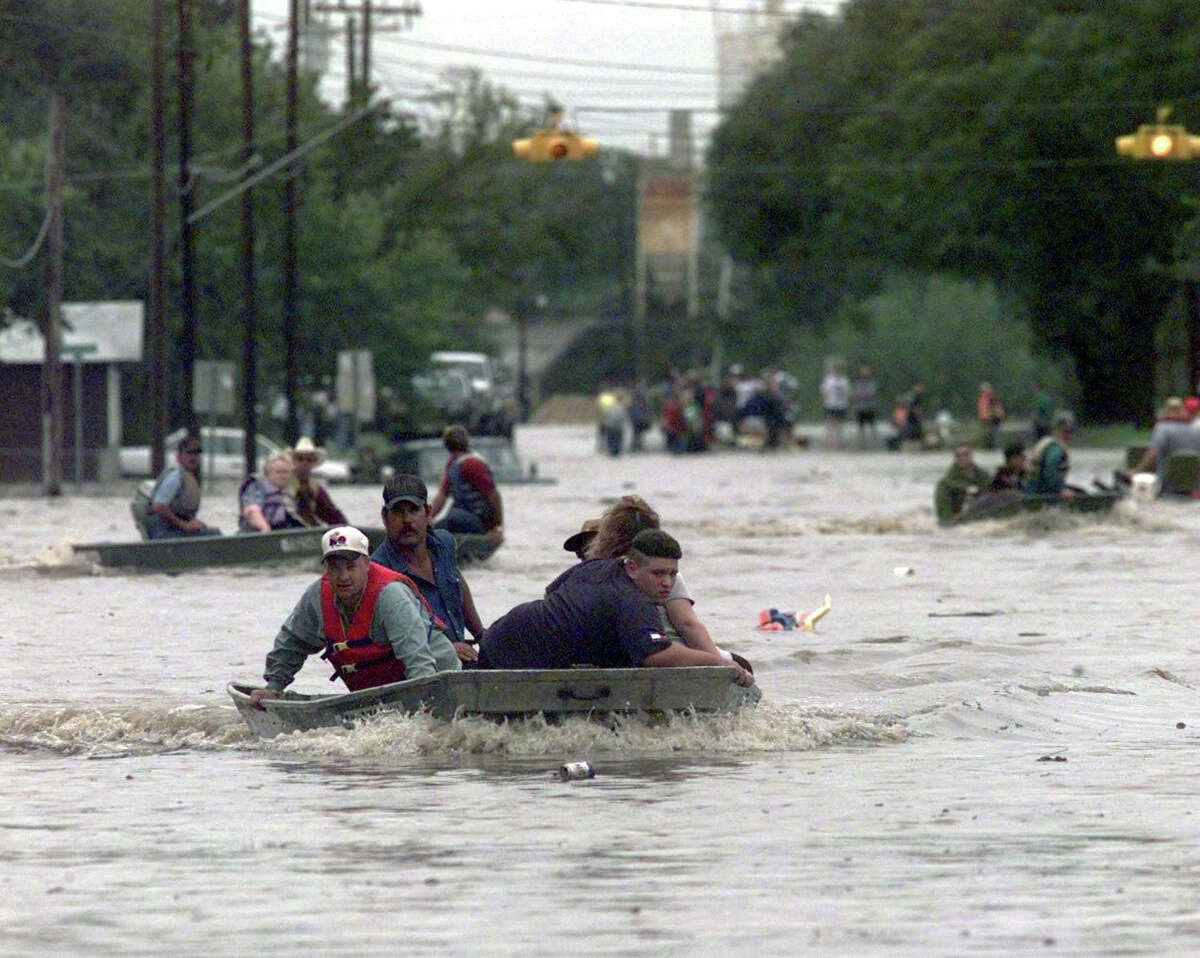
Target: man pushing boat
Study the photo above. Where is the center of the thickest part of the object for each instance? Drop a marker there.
(601, 612)
(373, 624)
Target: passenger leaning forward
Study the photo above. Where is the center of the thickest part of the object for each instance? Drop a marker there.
(373, 624)
(600, 612)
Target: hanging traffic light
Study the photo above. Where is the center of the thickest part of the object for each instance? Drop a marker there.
(548, 145)
(1159, 141)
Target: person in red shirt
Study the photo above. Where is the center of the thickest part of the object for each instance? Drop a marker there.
(467, 480)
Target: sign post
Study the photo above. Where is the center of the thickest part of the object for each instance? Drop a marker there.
(213, 382)
(77, 352)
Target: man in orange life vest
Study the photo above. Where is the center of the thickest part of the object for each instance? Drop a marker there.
(373, 624)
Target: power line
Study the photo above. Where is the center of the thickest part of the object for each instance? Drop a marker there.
(23, 260)
(544, 58)
(694, 8)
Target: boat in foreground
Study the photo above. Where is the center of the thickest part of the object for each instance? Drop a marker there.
(508, 693)
(248, 548)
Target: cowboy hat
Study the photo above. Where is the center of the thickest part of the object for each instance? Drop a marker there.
(583, 538)
(304, 446)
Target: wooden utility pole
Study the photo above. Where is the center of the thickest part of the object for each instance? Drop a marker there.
(52, 407)
(187, 282)
(249, 354)
(368, 11)
(156, 334)
(290, 310)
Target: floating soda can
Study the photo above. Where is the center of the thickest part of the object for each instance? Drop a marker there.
(576, 770)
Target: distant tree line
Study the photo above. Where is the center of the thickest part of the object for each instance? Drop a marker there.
(407, 231)
(970, 139)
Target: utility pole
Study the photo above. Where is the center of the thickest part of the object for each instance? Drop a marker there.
(158, 279)
(52, 408)
(292, 427)
(249, 355)
(187, 282)
(368, 11)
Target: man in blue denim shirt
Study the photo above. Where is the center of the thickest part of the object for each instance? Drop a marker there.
(427, 556)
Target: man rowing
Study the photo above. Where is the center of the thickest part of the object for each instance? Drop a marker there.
(372, 623)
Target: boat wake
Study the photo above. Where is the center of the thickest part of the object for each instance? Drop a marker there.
(778, 528)
(113, 731)
(97, 732)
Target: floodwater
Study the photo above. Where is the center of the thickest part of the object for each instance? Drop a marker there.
(995, 754)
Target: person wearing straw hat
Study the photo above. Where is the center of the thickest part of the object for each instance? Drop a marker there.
(314, 505)
(372, 623)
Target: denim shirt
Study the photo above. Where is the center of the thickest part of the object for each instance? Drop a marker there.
(445, 592)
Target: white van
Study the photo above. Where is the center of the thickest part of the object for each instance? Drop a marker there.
(479, 368)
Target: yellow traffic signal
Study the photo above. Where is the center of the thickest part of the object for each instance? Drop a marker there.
(1159, 141)
(548, 145)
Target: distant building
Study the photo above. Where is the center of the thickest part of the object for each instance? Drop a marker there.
(746, 45)
(106, 335)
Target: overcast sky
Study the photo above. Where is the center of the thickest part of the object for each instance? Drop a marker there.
(616, 66)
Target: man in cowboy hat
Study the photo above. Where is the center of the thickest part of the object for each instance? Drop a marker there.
(313, 503)
(372, 623)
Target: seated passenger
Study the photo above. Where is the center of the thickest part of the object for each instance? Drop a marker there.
(963, 481)
(468, 481)
(314, 506)
(602, 613)
(175, 499)
(1174, 432)
(265, 504)
(372, 623)
(1050, 460)
(1011, 476)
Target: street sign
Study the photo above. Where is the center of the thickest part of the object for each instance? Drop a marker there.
(213, 382)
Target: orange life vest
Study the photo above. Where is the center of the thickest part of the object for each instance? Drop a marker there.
(357, 659)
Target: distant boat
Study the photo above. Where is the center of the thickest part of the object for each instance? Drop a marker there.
(507, 693)
(1005, 505)
(248, 548)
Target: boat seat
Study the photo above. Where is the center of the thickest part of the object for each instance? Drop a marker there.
(1182, 474)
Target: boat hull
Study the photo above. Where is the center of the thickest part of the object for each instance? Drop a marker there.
(508, 693)
(1006, 505)
(254, 548)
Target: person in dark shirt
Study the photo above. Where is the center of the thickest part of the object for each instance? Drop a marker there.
(601, 612)
(1011, 476)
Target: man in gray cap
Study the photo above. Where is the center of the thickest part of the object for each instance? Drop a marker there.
(373, 624)
(427, 556)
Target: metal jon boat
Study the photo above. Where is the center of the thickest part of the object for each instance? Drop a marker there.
(508, 693)
(1005, 505)
(197, 552)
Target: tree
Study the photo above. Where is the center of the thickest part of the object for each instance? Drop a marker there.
(976, 138)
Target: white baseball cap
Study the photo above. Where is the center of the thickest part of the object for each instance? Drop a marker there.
(344, 539)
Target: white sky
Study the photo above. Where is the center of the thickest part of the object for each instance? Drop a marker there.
(616, 66)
